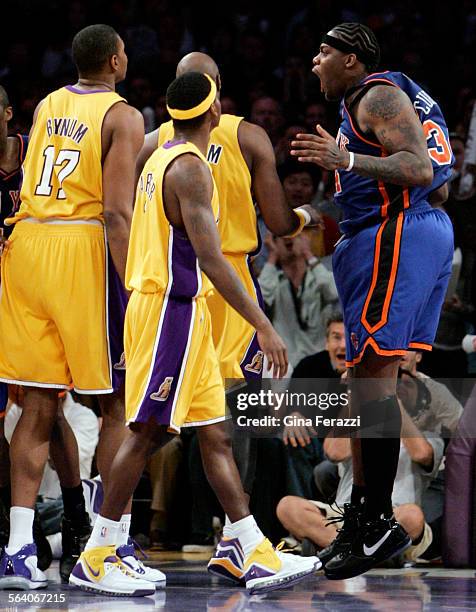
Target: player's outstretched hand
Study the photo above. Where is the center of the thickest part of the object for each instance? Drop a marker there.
(320, 149)
(275, 350)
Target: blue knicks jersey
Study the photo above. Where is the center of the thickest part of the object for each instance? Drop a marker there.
(366, 201)
(10, 185)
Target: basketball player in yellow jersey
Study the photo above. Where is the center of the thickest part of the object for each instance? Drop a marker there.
(173, 377)
(58, 307)
(244, 167)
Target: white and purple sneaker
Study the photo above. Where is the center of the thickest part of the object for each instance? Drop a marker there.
(227, 561)
(128, 556)
(20, 571)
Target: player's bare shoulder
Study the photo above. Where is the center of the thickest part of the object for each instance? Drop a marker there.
(254, 142)
(189, 177)
(121, 115)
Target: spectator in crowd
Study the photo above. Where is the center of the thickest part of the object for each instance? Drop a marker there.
(268, 114)
(317, 373)
(296, 290)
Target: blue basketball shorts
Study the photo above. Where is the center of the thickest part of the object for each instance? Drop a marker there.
(392, 280)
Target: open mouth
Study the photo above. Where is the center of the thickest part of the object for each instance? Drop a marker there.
(340, 356)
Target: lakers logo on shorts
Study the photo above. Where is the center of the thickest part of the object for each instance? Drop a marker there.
(122, 363)
(256, 364)
(163, 393)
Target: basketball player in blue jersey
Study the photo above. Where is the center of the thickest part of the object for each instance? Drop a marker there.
(392, 160)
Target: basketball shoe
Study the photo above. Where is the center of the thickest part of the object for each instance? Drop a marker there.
(350, 518)
(99, 570)
(20, 571)
(128, 556)
(265, 569)
(374, 542)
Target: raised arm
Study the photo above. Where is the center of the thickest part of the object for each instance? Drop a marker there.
(387, 113)
(191, 182)
(267, 189)
(123, 136)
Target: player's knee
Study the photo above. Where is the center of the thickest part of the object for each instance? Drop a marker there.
(287, 509)
(216, 437)
(112, 408)
(412, 519)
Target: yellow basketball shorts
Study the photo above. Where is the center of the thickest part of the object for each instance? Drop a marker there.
(235, 340)
(172, 371)
(61, 308)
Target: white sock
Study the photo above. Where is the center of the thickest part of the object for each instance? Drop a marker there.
(104, 533)
(227, 528)
(124, 527)
(248, 533)
(21, 528)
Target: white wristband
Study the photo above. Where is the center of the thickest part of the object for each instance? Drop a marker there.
(305, 214)
(351, 162)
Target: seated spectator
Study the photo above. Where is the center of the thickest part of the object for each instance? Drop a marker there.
(267, 113)
(296, 289)
(282, 150)
(321, 371)
(421, 453)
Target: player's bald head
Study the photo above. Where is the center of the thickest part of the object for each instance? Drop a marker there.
(198, 62)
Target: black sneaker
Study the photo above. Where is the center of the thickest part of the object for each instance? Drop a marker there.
(375, 541)
(351, 516)
(74, 536)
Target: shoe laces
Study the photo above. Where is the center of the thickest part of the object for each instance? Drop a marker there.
(348, 516)
(283, 547)
(138, 549)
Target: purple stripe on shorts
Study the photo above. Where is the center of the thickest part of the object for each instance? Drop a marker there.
(184, 266)
(252, 363)
(169, 356)
(117, 303)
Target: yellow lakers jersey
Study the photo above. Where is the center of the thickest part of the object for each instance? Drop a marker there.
(238, 225)
(161, 257)
(63, 165)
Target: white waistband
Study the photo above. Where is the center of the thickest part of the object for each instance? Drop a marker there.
(56, 221)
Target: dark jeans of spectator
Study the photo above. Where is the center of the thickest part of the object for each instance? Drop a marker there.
(451, 366)
(269, 486)
(432, 506)
(301, 462)
(326, 479)
(51, 514)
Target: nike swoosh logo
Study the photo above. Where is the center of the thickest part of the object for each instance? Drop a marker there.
(370, 551)
(95, 574)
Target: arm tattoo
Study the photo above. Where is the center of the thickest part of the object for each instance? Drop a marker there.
(398, 130)
(402, 168)
(383, 103)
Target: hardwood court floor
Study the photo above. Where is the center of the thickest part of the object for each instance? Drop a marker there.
(190, 588)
